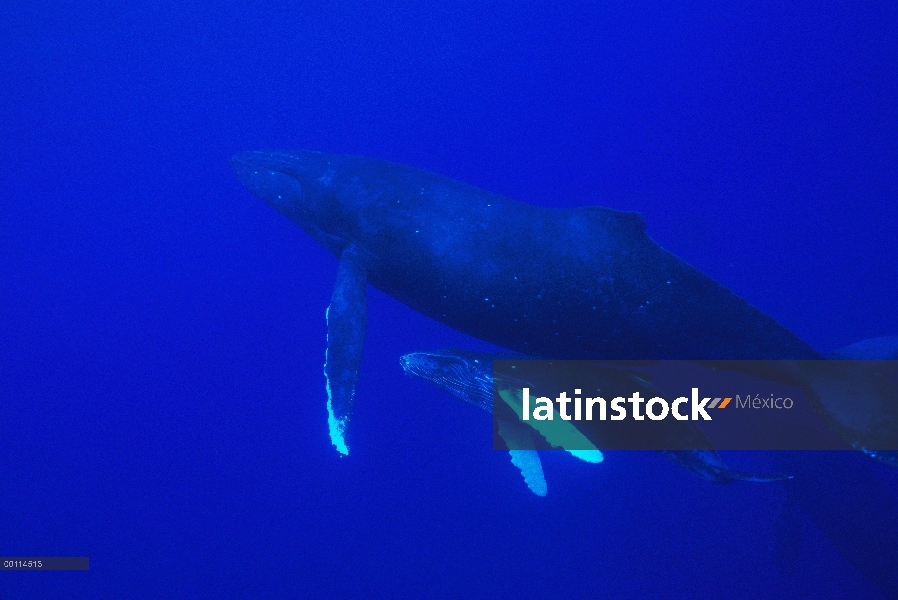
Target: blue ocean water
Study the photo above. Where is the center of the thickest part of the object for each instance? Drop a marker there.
(162, 332)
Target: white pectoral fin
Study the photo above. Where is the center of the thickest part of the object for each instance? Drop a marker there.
(524, 455)
(532, 470)
(590, 456)
(346, 323)
(557, 431)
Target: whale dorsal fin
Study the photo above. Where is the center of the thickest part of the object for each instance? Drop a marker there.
(630, 221)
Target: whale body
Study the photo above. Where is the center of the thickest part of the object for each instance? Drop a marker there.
(582, 283)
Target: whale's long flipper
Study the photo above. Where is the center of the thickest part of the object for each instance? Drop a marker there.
(525, 458)
(346, 323)
(556, 431)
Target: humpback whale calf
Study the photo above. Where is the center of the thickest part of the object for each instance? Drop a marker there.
(468, 376)
(582, 283)
(842, 496)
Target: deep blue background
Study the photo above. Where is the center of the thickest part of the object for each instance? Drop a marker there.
(162, 330)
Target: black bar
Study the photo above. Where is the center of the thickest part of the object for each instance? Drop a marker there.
(44, 563)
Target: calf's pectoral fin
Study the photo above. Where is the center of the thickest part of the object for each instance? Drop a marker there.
(346, 323)
(524, 455)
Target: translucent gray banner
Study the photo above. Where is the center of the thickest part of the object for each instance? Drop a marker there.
(696, 405)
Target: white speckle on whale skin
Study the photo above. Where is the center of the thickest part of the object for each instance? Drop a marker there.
(327, 178)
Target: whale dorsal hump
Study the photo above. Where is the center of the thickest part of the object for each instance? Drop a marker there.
(603, 217)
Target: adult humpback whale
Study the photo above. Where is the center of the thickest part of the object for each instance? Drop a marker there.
(550, 283)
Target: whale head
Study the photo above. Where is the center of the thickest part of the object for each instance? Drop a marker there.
(301, 186)
(466, 375)
(338, 199)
